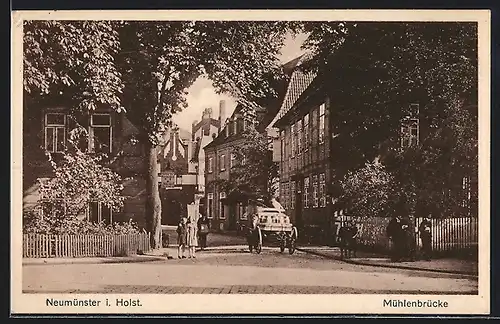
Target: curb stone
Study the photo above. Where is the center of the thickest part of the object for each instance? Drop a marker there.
(457, 272)
(96, 261)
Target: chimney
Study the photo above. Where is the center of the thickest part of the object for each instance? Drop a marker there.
(222, 112)
(193, 125)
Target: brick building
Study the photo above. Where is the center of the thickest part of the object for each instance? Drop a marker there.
(224, 213)
(314, 151)
(47, 129)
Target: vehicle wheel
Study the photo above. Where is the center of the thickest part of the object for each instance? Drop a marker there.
(291, 248)
(258, 248)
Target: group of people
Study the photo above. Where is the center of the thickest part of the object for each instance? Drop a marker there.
(400, 231)
(192, 235)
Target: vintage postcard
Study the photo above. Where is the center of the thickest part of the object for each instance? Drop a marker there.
(250, 162)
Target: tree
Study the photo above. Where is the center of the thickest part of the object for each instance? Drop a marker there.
(254, 173)
(73, 60)
(160, 60)
(374, 71)
(154, 63)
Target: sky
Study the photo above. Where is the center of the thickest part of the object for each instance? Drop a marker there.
(201, 94)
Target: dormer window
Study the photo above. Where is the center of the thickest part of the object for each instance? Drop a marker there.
(55, 132)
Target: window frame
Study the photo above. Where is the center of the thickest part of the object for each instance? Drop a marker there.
(222, 162)
(91, 144)
(210, 203)
(100, 206)
(54, 127)
(306, 192)
(321, 121)
(322, 191)
(315, 191)
(222, 211)
(210, 164)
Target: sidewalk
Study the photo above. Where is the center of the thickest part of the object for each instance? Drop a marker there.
(453, 266)
(93, 260)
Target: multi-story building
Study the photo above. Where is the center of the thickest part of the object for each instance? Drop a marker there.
(46, 129)
(223, 212)
(177, 174)
(311, 148)
(203, 133)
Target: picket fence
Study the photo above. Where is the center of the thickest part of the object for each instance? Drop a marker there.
(79, 246)
(453, 235)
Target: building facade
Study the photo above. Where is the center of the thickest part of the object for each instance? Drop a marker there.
(226, 212)
(219, 159)
(311, 149)
(48, 130)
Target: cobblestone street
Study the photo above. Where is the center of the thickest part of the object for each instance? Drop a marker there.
(232, 270)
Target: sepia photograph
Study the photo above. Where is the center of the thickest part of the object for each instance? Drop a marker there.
(245, 162)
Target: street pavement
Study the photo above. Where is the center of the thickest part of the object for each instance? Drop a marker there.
(227, 267)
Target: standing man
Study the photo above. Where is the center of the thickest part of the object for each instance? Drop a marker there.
(395, 233)
(426, 237)
(203, 229)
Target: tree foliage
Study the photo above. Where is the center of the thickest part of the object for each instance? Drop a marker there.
(79, 179)
(254, 173)
(375, 70)
(146, 67)
(74, 59)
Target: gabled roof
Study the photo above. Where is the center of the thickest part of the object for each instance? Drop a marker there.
(202, 122)
(267, 115)
(299, 82)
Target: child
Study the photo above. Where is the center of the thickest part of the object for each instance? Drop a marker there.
(181, 238)
(192, 239)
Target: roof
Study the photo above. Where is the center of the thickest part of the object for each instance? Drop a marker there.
(214, 122)
(268, 114)
(299, 82)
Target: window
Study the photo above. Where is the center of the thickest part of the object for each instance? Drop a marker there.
(99, 212)
(232, 161)
(299, 137)
(210, 164)
(55, 132)
(410, 127)
(409, 133)
(282, 140)
(322, 191)
(306, 192)
(235, 125)
(306, 132)
(210, 205)
(292, 135)
(315, 191)
(222, 162)
(54, 205)
(321, 123)
(222, 196)
(466, 187)
(100, 133)
(292, 195)
(227, 130)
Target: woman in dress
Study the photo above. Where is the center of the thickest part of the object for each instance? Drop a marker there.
(192, 238)
(181, 238)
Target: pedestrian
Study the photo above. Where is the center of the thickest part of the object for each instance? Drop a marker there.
(408, 240)
(426, 237)
(348, 238)
(192, 237)
(395, 233)
(181, 238)
(203, 229)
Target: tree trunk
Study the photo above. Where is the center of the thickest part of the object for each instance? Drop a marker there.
(153, 202)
